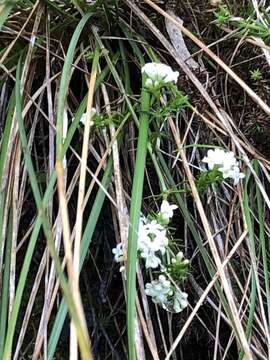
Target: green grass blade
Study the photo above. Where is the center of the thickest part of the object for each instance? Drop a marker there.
(5, 286)
(251, 235)
(65, 79)
(135, 210)
(3, 160)
(265, 250)
(4, 13)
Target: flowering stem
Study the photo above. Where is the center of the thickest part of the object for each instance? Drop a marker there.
(135, 209)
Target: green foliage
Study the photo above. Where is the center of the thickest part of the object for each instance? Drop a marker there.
(178, 269)
(135, 211)
(205, 179)
(256, 75)
(8, 2)
(125, 53)
(178, 102)
(102, 121)
(247, 25)
(222, 15)
(253, 27)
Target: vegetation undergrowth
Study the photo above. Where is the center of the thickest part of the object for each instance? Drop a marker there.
(134, 201)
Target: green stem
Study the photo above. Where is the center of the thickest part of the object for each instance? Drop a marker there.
(5, 289)
(135, 209)
(253, 292)
(261, 218)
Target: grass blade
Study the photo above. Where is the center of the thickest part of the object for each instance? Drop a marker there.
(135, 210)
(4, 13)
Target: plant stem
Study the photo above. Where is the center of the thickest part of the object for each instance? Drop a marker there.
(135, 209)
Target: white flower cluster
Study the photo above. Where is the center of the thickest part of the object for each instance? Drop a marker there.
(84, 116)
(152, 238)
(226, 163)
(159, 74)
(159, 290)
(152, 244)
(180, 301)
(118, 253)
(166, 211)
(164, 294)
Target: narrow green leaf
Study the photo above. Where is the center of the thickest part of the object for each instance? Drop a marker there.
(65, 79)
(135, 210)
(4, 13)
(262, 237)
(5, 286)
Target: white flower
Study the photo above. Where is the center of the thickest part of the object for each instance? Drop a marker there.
(226, 163)
(229, 161)
(151, 260)
(166, 210)
(163, 293)
(84, 116)
(153, 227)
(159, 74)
(151, 239)
(159, 290)
(118, 253)
(235, 174)
(179, 301)
(148, 249)
(221, 158)
(178, 257)
(159, 243)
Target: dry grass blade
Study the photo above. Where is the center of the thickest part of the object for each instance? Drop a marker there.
(81, 193)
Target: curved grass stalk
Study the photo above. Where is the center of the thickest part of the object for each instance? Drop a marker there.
(253, 292)
(4, 159)
(64, 83)
(250, 226)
